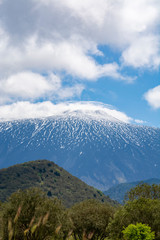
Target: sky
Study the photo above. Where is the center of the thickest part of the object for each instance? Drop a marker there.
(61, 54)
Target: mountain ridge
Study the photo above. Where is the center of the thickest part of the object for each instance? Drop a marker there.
(49, 177)
(100, 152)
(118, 192)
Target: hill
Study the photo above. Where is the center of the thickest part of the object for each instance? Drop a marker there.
(89, 143)
(51, 178)
(118, 192)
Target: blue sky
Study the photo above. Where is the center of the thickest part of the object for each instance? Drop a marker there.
(127, 97)
(53, 52)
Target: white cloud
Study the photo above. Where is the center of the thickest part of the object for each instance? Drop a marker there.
(140, 121)
(32, 86)
(28, 85)
(63, 37)
(60, 35)
(69, 92)
(153, 97)
(21, 110)
(143, 52)
(63, 56)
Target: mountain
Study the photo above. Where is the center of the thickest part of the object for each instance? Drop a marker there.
(91, 144)
(118, 192)
(51, 178)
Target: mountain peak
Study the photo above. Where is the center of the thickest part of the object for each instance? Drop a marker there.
(89, 143)
(94, 110)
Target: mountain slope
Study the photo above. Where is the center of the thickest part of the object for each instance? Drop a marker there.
(51, 178)
(97, 148)
(118, 192)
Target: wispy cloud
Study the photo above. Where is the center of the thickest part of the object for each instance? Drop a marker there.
(25, 109)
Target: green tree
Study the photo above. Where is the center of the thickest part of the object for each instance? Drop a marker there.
(31, 215)
(90, 219)
(144, 190)
(138, 232)
(144, 210)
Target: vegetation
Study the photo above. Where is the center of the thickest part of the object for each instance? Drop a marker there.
(144, 190)
(143, 209)
(1, 215)
(138, 232)
(90, 219)
(119, 191)
(50, 178)
(31, 214)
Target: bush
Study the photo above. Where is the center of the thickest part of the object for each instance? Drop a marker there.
(138, 232)
(31, 215)
(146, 211)
(90, 219)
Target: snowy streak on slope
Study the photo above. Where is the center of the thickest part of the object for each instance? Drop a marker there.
(97, 148)
(74, 128)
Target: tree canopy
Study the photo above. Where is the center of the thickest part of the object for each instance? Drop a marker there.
(138, 231)
(144, 190)
(90, 219)
(142, 210)
(30, 214)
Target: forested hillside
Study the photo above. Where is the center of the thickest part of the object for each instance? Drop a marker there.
(52, 179)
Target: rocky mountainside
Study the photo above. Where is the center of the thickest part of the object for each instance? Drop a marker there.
(92, 145)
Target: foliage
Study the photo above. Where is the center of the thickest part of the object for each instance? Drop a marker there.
(120, 191)
(144, 190)
(30, 215)
(146, 211)
(52, 179)
(90, 219)
(1, 215)
(138, 232)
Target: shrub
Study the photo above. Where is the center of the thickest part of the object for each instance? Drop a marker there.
(138, 232)
(90, 219)
(144, 210)
(31, 215)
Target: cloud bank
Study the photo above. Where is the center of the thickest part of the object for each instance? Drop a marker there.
(26, 110)
(40, 38)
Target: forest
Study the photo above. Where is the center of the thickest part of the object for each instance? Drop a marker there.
(31, 215)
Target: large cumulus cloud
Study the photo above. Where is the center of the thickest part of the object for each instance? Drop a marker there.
(59, 38)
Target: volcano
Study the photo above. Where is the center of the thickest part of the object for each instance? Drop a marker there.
(91, 144)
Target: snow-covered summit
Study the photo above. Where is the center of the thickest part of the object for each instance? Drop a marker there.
(94, 110)
(88, 141)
